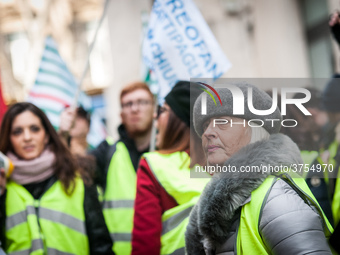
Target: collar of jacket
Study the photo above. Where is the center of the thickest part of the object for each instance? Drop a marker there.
(130, 144)
(123, 135)
(226, 192)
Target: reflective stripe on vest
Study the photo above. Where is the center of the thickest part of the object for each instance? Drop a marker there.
(47, 214)
(173, 173)
(50, 251)
(55, 224)
(249, 240)
(119, 198)
(175, 220)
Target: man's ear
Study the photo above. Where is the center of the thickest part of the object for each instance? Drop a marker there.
(121, 117)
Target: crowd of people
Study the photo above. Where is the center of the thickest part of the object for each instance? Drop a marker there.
(121, 198)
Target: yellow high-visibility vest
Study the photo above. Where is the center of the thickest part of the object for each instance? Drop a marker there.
(173, 173)
(119, 198)
(53, 224)
(249, 240)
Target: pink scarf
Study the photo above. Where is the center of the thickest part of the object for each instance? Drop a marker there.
(32, 171)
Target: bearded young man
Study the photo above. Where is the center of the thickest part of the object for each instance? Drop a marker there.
(117, 163)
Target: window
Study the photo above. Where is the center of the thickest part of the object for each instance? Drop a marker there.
(315, 17)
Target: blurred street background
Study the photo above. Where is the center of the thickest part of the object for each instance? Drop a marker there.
(261, 38)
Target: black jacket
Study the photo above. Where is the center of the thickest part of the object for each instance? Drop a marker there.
(98, 235)
(104, 152)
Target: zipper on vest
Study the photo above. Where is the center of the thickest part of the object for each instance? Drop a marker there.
(41, 235)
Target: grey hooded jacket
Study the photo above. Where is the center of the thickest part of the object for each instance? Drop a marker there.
(288, 225)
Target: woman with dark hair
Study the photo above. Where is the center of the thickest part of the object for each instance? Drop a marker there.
(46, 207)
(165, 191)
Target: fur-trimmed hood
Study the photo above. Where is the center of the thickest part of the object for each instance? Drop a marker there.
(226, 192)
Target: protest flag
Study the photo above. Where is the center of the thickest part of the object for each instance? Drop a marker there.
(55, 89)
(179, 45)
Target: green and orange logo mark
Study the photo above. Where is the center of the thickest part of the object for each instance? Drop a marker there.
(209, 93)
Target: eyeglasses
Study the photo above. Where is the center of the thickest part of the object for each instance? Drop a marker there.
(138, 103)
(160, 110)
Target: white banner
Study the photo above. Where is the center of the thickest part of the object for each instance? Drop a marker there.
(179, 45)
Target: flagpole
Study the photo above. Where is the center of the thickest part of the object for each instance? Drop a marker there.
(75, 103)
(65, 134)
(153, 129)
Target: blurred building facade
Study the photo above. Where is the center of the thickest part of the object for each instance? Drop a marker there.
(24, 26)
(261, 38)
